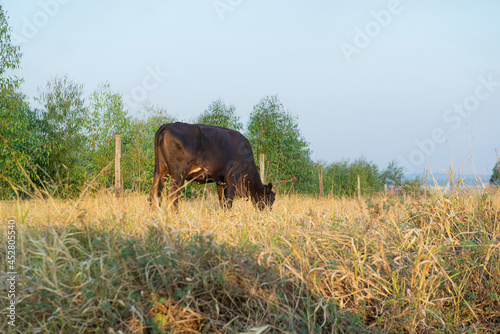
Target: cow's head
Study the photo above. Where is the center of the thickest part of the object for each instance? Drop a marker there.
(269, 196)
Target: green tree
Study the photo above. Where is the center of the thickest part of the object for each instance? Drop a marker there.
(22, 138)
(23, 143)
(139, 159)
(64, 112)
(275, 133)
(495, 177)
(220, 114)
(341, 178)
(393, 174)
(10, 56)
(106, 117)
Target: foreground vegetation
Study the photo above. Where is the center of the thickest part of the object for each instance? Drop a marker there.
(334, 265)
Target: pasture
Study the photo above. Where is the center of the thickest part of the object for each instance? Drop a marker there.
(101, 264)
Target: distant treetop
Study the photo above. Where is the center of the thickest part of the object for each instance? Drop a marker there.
(220, 114)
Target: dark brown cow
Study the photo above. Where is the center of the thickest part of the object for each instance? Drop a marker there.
(205, 154)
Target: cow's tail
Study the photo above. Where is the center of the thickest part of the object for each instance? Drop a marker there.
(157, 177)
(157, 158)
(158, 144)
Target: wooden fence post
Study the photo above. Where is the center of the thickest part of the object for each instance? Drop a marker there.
(118, 155)
(321, 191)
(359, 188)
(262, 168)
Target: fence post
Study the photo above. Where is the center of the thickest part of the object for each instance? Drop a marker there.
(385, 188)
(359, 188)
(118, 155)
(321, 191)
(262, 168)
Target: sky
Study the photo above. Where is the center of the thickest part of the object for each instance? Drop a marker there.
(417, 82)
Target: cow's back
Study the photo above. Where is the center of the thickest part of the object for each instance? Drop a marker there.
(210, 146)
(199, 138)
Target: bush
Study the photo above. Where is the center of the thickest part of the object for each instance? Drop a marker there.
(341, 178)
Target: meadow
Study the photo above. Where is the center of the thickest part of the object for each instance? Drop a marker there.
(397, 264)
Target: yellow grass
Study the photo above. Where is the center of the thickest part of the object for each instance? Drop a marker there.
(102, 264)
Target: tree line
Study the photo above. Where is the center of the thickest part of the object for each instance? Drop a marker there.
(65, 144)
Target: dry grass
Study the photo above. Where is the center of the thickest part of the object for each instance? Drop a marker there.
(105, 265)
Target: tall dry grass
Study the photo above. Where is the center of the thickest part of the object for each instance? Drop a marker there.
(100, 264)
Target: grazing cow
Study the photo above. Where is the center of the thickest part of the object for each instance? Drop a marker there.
(204, 154)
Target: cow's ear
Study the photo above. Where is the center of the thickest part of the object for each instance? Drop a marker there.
(269, 187)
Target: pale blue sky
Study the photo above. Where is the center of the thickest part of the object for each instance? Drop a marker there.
(411, 67)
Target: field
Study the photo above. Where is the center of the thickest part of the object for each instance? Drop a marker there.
(100, 264)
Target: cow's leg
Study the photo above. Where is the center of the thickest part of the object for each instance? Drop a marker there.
(159, 179)
(174, 192)
(229, 193)
(220, 192)
(153, 198)
(163, 177)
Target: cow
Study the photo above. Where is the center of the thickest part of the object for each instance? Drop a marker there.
(204, 154)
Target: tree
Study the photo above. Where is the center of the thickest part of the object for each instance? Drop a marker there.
(22, 139)
(23, 143)
(10, 56)
(393, 175)
(341, 178)
(64, 112)
(139, 160)
(495, 177)
(106, 117)
(220, 114)
(275, 133)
